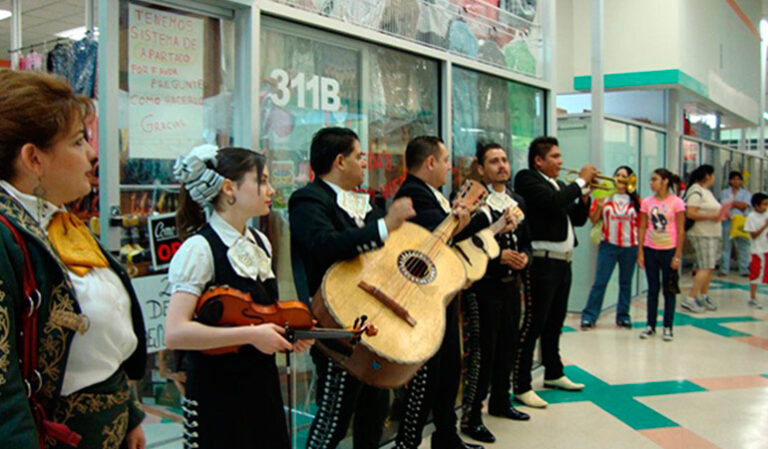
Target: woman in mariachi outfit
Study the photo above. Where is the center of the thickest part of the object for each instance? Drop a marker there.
(71, 330)
(233, 400)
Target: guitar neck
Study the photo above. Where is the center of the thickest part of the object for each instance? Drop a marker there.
(446, 229)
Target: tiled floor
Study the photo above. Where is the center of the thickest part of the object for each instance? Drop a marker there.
(707, 389)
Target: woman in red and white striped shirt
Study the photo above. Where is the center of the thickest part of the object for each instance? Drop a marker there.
(619, 213)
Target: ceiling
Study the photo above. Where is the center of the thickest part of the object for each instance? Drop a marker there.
(41, 20)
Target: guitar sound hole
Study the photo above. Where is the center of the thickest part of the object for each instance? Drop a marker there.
(416, 267)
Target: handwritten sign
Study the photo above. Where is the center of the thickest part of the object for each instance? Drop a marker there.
(164, 240)
(154, 293)
(165, 79)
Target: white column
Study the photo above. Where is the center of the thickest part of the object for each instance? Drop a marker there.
(763, 56)
(109, 140)
(674, 130)
(550, 65)
(90, 19)
(15, 32)
(598, 89)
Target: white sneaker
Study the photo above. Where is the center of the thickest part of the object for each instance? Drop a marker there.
(754, 304)
(563, 383)
(691, 305)
(647, 333)
(667, 334)
(531, 399)
(708, 304)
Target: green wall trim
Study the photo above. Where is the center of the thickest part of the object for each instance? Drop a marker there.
(651, 78)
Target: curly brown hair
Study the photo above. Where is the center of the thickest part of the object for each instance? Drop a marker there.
(35, 108)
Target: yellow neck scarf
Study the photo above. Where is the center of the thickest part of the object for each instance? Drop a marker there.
(75, 244)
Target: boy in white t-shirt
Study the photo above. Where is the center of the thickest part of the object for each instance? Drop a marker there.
(757, 226)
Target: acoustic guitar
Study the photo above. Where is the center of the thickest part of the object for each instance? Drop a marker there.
(476, 251)
(404, 288)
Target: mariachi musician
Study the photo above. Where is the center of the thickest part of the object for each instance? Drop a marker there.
(330, 222)
(554, 208)
(436, 385)
(493, 303)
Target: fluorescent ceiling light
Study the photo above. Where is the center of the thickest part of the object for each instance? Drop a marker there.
(76, 33)
(4, 14)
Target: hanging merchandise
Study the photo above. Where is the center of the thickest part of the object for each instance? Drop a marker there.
(521, 8)
(519, 57)
(490, 52)
(434, 18)
(363, 13)
(60, 60)
(83, 74)
(401, 17)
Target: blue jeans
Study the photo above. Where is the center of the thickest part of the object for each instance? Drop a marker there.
(607, 256)
(742, 246)
(657, 262)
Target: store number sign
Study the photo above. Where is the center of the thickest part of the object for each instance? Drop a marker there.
(324, 91)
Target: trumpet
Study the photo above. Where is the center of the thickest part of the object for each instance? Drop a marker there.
(630, 181)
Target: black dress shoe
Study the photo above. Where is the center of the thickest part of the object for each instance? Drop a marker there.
(510, 413)
(465, 445)
(452, 442)
(478, 432)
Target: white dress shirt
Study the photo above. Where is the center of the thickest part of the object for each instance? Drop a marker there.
(569, 243)
(383, 231)
(110, 339)
(192, 267)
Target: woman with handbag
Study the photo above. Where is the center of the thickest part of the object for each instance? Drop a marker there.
(71, 329)
(705, 236)
(662, 231)
(618, 214)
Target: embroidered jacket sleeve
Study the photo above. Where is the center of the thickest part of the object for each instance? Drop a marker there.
(17, 426)
(135, 413)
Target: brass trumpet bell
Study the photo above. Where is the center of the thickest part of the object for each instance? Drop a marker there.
(608, 183)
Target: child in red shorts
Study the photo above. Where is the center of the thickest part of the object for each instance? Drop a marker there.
(757, 227)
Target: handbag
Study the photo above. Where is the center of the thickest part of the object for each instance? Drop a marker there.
(33, 380)
(673, 283)
(689, 222)
(737, 227)
(596, 233)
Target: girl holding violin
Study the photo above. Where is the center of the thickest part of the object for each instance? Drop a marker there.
(232, 400)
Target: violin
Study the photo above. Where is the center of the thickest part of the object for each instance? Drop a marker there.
(226, 307)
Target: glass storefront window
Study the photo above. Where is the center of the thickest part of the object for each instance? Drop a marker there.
(310, 80)
(621, 146)
(753, 182)
(690, 158)
(176, 90)
(489, 109)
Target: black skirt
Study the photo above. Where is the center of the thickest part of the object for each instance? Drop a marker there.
(233, 401)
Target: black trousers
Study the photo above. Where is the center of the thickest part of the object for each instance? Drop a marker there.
(339, 396)
(658, 261)
(434, 388)
(496, 336)
(549, 284)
